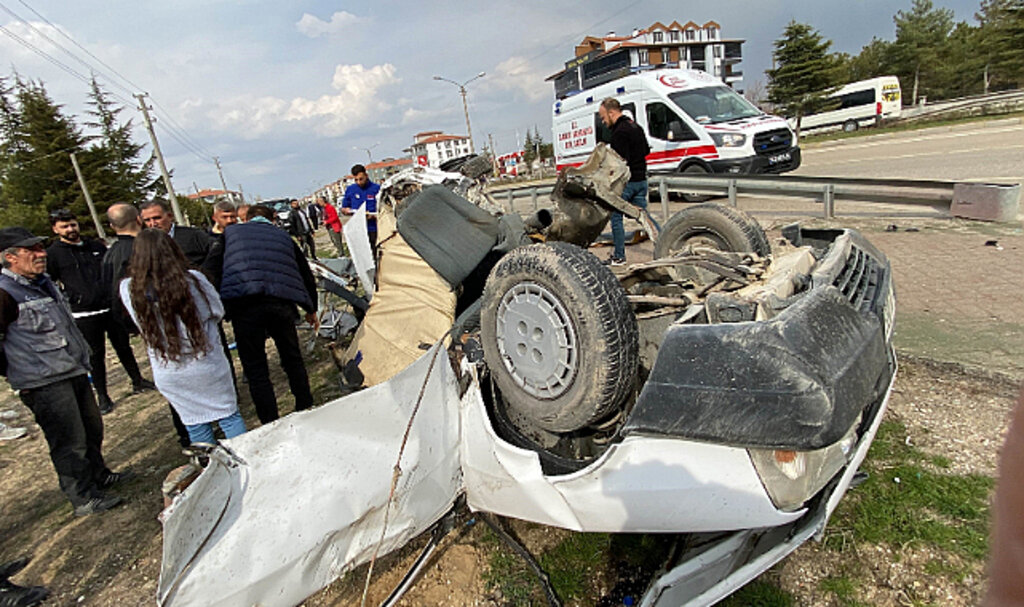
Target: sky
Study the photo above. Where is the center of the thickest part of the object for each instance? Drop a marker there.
(289, 95)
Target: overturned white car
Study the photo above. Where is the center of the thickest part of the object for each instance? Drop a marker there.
(724, 391)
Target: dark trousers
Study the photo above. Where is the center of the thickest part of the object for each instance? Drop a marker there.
(66, 411)
(96, 328)
(255, 322)
(307, 244)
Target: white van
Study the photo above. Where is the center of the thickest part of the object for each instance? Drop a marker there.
(693, 122)
(862, 103)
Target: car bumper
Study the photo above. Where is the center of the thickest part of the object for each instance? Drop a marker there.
(778, 163)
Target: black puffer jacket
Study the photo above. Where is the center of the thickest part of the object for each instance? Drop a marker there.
(77, 268)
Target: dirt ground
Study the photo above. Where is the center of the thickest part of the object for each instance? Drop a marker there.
(114, 558)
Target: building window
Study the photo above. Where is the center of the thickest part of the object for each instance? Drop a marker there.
(690, 35)
(644, 57)
(673, 36)
(717, 51)
(658, 37)
(712, 33)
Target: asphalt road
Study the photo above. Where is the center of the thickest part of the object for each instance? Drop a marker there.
(986, 151)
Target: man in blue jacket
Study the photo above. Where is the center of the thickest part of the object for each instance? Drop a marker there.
(262, 276)
(362, 192)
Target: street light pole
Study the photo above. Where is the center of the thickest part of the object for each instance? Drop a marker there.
(367, 150)
(465, 107)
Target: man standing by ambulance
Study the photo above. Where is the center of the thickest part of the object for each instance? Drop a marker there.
(628, 141)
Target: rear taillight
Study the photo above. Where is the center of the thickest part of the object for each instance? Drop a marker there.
(878, 108)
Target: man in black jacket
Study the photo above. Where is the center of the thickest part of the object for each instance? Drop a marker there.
(628, 141)
(194, 243)
(300, 227)
(75, 263)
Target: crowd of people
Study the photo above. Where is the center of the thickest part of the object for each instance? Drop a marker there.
(175, 287)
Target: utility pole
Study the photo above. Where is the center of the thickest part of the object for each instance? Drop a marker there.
(465, 108)
(216, 161)
(88, 199)
(494, 155)
(241, 194)
(178, 217)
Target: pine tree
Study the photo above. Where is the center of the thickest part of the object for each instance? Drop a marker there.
(805, 74)
(38, 175)
(529, 150)
(921, 35)
(114, 161)
(1002, 42)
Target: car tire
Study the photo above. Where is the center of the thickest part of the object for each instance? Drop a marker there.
(713, 225)
(695, 169)
(559, 337)
(850, 126)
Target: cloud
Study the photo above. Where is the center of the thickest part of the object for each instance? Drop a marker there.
(358, 99)
(517, 74)
(313, 26)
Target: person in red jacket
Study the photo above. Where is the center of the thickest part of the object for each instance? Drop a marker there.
(333, 223)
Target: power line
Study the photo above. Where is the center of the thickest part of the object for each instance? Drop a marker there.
(54, 43)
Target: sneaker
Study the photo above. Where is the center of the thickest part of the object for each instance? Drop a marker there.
(12, 595)
(9, 433)
(98, 504)
(614, 261)
(12, 568)
(105, 404)
(115, 478)
(143, 385)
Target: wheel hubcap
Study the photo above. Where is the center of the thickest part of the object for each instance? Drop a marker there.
(537, 340)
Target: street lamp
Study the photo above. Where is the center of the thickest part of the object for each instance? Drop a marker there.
(367, 150)
(465, 109)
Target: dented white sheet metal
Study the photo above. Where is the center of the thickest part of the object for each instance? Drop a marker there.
(357, 237)
(298, 502)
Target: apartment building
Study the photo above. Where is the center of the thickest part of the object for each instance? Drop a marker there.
(431, 148)
(690, 45)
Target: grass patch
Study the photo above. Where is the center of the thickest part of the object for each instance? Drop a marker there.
(759, 593)
(843, 588)
(899, 128)
(906, 502)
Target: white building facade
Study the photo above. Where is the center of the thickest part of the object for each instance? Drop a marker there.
(431, 148)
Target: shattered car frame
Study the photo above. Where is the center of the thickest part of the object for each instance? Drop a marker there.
(749, 393)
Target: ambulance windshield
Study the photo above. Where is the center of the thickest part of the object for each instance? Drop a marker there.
(714, 104)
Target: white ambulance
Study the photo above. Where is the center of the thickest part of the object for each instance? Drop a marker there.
(694, 124)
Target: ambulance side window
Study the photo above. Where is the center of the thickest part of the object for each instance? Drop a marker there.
(664, 124)
(604, 134)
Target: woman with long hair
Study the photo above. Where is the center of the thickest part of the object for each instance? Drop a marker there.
(177, 311)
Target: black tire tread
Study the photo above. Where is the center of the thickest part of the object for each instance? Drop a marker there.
(751, 236)
(609, 351)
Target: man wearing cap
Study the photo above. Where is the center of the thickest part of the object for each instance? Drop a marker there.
(76, 264)
(46, 360)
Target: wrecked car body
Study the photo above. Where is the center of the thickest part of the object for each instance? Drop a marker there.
(724, 393)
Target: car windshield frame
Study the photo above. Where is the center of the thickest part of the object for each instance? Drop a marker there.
(700, 104)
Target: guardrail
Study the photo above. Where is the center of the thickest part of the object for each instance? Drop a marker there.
(991, 202)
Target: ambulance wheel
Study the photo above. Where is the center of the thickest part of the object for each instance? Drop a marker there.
(559, 336)
(712, 225)
(695, 169)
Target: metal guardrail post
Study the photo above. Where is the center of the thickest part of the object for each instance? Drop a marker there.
(663, 192)
(511, 207)
(732, 193)
(533, 197)
(829, 199)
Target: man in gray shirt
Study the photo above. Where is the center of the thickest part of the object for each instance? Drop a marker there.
(46, 360)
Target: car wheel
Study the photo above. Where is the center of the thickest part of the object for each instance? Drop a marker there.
(559, 336)
(712, 225)
(695, 169)
(850, 126)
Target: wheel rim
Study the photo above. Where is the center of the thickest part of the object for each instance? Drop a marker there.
(537, 340)
(704, 238)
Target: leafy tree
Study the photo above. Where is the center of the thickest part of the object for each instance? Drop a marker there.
(1002, 42)
(37, 174)
(805, 74)
(546, 150)
(873, 60)
(119, 173)
(921, 34)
